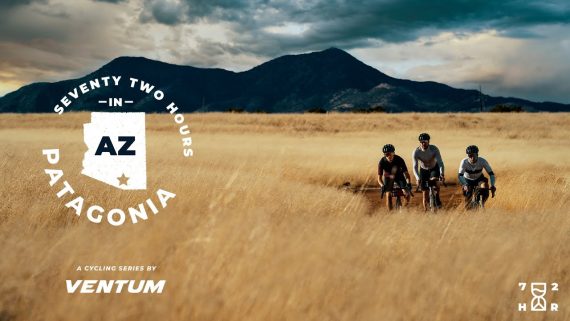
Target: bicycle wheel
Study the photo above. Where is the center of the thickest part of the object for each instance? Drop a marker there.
(480, 204)
(398, 206)
(478, 199)
(432, 200)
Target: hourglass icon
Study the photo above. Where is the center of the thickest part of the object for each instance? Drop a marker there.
(538, 302)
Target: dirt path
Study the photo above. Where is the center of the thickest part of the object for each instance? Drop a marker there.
(451, 197)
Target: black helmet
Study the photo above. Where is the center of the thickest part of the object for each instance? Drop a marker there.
(472, 149)
(423, 136)
(388, 148)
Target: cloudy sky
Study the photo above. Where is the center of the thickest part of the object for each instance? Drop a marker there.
(510, 47)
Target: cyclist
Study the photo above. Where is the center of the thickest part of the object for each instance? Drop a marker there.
(430, 167)
(471, 174)
(392, 170)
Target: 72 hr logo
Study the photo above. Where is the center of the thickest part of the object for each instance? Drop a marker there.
(538, 291)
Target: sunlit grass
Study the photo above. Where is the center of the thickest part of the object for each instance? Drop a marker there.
(260, 230)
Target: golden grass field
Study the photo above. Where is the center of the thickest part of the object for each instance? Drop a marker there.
(260, 230)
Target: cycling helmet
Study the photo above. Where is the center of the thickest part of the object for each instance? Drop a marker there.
(424, 136)
(388, 148)
(472, 149)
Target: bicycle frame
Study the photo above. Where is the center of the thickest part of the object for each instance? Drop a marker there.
(476, 199)
(397, 192)
(432, 193)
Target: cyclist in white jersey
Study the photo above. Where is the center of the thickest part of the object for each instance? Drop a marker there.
(430, 168)
(471, 174)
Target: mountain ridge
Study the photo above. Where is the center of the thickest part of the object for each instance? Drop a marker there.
(331, 79)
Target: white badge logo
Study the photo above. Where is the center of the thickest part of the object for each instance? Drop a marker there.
(116, 149)
(116, 153)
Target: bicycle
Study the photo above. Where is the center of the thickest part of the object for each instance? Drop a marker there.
(397, 192)
(432, 194)
(476, 198)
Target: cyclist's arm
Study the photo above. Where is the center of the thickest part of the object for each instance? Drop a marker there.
(405, 172)
(490, 172)
(415, 165)
(461, 172)
(439, 161)
(380, 171)
(407, 176)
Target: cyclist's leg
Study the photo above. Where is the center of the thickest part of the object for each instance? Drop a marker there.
(484, 183)
(389, 200)
(388, 185)
(469, 194)
(425, 199)
(435, 185)
(424, 177)
(434, 176)
(398, 202)
(401, 181)
(407, 197)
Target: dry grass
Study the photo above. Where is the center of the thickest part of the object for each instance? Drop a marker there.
(260, 231)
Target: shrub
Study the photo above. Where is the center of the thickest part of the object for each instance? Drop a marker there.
(235, 110)
(317, 110)
(506, 109)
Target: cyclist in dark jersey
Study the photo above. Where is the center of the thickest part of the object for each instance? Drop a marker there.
(392, 170)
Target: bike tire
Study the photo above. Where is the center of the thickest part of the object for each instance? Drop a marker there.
(476, 201)
(480, 204)
(432, 201)
(398, 205)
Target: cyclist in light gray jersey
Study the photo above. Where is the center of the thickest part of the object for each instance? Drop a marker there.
(471, 174)
(430, 168)
(428, 159)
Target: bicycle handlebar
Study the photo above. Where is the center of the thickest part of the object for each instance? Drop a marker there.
(383, 191)
(485, 189)
(418, 188)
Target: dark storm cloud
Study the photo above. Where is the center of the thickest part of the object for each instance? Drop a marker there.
(172, 12)
(57, 39)
(165, 12)
(7, 4)
(110, 1)
(15, 26)
(352, 23)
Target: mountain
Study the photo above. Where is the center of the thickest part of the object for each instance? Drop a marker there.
(331, 79)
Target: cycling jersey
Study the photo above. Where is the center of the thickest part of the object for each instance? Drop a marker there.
(396, 167)
(428, 159)
(474, 171)
(389, 183)
(392, 172)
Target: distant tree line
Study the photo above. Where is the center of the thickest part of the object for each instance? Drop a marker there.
(374, 109)
(500, 108)
(238, 110)
(503, 108)
(356, 110)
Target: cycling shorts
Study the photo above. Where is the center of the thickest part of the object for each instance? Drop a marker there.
(427, 174)
(389, 183)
